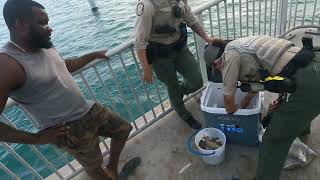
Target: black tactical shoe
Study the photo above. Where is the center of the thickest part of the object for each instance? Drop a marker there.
(194, 124)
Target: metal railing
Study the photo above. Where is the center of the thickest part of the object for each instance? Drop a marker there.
(142, 104)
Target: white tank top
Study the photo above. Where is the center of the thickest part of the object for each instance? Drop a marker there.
(49, 95)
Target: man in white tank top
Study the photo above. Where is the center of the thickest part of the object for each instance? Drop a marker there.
(34, 75)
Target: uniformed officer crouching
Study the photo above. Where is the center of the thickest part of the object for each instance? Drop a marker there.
(275, 65)
(160, 41)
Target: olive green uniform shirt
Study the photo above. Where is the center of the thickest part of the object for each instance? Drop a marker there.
(151, 13)
(244, 67)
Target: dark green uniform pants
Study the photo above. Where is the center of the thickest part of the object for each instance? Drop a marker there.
(166, 69)
(290, 120)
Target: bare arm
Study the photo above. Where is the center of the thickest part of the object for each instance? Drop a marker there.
(147, 71)
(230, 76)
(229, 104)
(247, 99)
(142, 33)
(199, 30)
(50, 135)
(12, 77)
(9, 134)
(77, 63)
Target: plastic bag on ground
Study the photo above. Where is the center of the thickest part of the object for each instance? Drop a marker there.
(299, 155)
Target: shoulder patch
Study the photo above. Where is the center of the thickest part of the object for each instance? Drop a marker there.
(140, 8)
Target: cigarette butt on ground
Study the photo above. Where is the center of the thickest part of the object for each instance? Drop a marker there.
(185, 168)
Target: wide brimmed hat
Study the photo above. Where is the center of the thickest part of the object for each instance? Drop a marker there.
(211, 54)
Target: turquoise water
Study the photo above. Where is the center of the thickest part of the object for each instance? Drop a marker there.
(77, 30)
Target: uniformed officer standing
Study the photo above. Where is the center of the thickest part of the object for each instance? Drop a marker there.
(277, 66)
(160, 40)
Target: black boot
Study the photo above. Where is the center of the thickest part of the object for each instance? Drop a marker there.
(194, 124)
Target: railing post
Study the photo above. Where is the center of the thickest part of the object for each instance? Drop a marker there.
(283, 11)
(93, 5)
(200, 45)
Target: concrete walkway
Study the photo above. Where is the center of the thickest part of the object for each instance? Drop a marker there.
(162, 148)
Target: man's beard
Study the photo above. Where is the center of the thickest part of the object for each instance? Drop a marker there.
(37, 42)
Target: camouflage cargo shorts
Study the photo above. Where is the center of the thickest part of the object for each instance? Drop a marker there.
(82, 140)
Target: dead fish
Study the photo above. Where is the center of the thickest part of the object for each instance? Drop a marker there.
(210, 144)
(202, 144)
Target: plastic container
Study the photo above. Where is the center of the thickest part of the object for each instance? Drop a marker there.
(240, 127)
(210, 157)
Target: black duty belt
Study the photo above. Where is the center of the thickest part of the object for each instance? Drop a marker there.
(301, 59)
(160, 50)
(155, 49)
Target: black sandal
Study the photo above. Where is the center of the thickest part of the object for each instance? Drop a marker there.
(129, 167)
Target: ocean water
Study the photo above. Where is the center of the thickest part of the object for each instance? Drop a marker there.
(77, 30)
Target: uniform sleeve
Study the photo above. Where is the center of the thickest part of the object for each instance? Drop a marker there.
(189, 17)
(142, 30)
(230, 72)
